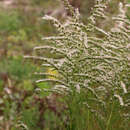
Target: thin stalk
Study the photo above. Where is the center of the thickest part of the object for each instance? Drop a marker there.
(88, 119)
(109, 120)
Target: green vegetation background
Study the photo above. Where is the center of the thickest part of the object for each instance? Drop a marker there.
(21, 28)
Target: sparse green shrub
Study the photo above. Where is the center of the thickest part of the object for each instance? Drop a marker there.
(10, 21)
(93, 69)
(16, 68)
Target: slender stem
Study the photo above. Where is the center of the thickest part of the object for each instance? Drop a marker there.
(88, 119)
(109, 120)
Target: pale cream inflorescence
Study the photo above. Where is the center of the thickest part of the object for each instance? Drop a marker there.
(89, 61)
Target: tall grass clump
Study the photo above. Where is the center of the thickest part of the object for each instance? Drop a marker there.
(93, 68)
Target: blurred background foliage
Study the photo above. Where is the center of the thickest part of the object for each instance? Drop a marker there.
(22, 104)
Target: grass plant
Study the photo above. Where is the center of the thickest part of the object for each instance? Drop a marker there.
(93, 69)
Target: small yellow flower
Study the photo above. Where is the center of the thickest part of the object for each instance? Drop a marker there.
(52, 72)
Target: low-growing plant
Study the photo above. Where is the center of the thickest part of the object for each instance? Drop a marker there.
(93, 68)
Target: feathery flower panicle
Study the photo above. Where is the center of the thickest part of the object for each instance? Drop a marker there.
(89, 62)
(120, 99)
